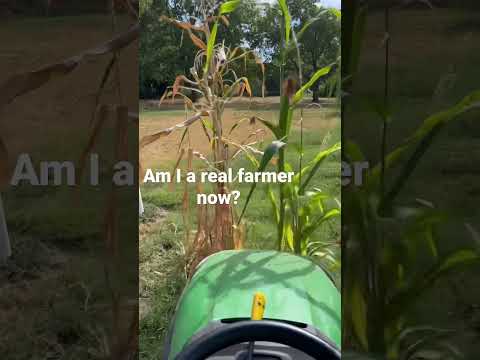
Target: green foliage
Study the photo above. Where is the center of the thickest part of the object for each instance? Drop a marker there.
(393, 257)
(299, 213)
(268, 154)
(165, 52)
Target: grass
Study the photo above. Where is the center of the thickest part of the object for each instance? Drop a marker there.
(53, 296)
(161, 244)
(161, 257)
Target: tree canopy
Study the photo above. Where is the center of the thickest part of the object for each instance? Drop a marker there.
(166, 51)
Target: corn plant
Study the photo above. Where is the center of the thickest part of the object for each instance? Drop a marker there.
(213, 78)
(299, 211)
(381, 284)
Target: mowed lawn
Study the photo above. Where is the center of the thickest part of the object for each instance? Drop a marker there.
(162, 230)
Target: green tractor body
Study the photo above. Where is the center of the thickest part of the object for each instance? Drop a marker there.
(297, 290)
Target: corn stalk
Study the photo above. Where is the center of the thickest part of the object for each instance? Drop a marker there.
(214, 79)
(288, 211)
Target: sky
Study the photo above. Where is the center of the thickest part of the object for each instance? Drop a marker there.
(327, 3)
(332, 3)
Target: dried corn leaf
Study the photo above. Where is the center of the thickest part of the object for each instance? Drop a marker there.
(260, 63)
(147, 140)
(197, 41)
(21, 84)
(164, 96)
(238, 236)
(180, 156)
(121, 125)
(100, 117)
(176, 85)
(241, 91)
(179, 24)
(186, 196)
(204, 159)
(247, 87)
(232, 53)
(103, 82)
(225, 20)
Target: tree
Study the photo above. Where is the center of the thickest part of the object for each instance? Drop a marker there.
(163, 53)
(319, 44)
(166, 52)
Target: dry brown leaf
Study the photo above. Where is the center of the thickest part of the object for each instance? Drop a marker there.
(197, 41)
(248, 88)
(180, 156)
(121, 125)
(21, 84)
(179, 24)
(238, 236)
(233, 53)
(100, 117)
(225, 20)
(241, 90)
(103, 82)
(289, 87)
(176, 85)
(262, 67)
(164, 96)
(147, 140)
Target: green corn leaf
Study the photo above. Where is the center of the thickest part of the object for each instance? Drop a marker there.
(306, 26)
(359, 316)
(353, 44)
(315, 201)
(422, 139)
(353, 152)
(268, 154)
(273, 201)
(225, 8)
(288, 234)
(408, 296)
(310, 229)
(315, 164)
(210, 45)
(458, 258)
(287, 18)
(336, 12)
(301, 93)
(229, 6)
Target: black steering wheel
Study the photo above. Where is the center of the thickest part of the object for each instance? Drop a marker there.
(263, 330)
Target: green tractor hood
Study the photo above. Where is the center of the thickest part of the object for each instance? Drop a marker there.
(296, 289)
